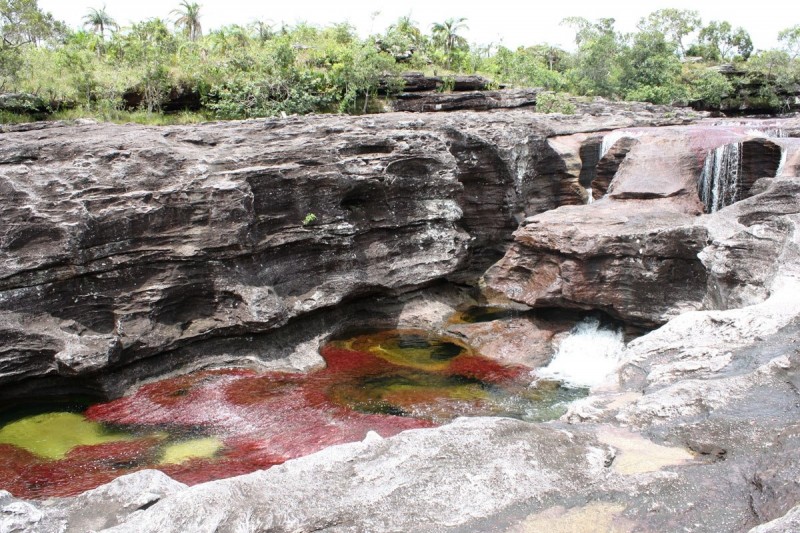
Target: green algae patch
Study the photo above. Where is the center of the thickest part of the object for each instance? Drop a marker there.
(409, 348)
(180, 452)
(53, 435)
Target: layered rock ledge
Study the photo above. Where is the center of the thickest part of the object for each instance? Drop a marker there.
(123, 243)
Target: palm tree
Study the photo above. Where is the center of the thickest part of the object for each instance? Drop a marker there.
(99, 20)
(446, 33)
(407, 28)
(189, 19)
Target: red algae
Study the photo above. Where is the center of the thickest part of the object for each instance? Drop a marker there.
(259, 420)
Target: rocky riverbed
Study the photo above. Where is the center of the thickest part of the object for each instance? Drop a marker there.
(129, 254)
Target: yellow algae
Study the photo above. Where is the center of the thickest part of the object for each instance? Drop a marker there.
(637, 455)
(412, 349)
(180, 452)
(403, 394)
(592, 518)
(53, 435)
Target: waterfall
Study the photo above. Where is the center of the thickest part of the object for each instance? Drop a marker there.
(589, 192)
(587, 357)
(784, 154)
(719, 182)
(613, 137)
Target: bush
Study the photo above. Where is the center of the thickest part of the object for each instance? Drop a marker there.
(548, 102)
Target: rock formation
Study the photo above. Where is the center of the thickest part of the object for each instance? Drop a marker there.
(634, 252)
(123, 243)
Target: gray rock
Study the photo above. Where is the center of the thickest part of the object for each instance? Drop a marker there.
(17, 515)
(425, 480)
(110, 504)
(122, 243)
(789, 523)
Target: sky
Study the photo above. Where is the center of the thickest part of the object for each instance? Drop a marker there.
(508, 22)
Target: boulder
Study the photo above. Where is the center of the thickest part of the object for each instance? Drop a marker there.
(459, 101)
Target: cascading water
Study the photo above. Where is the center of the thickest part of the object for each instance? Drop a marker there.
(587, 356)
(769, 133)
(782, 163)
(613, 137)
(719, 182)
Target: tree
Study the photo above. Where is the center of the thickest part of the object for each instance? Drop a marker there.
(407, 29)
(99, 20)
(22, 22)
(651, 69)
(189, 19)
(264, 31)
(674, 24)
(720, 41)
(446, 34)
(776, 75)
(790, 38)
(596, 68)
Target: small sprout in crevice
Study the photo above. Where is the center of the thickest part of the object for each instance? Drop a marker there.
(309, 219)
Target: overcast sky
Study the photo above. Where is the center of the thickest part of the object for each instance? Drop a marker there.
(512, 23)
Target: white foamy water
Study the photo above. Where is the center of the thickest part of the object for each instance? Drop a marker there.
(586, 357)
(611, 138)
(769, 133)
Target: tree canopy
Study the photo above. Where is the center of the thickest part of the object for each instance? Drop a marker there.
(261, 69)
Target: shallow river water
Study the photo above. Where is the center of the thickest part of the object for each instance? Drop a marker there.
(220, 423)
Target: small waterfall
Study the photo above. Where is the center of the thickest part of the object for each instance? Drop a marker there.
(586, 357)
(589, 192)
(719, 182)
(613, 137)
(784, 154)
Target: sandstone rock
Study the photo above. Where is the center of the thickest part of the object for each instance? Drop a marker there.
(620, 254)
(427, 480)
(17, 515)
(185, 246)
(121, 243)
(457, 101)
(107, 505)
(638, 264)
(413, 82)
(523, 339)
(786, 524)
(22, 103)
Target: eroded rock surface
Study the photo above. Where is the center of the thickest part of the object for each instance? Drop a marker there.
(121, 243)
(634, 252)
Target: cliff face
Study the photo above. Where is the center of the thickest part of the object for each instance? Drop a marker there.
(122, 243)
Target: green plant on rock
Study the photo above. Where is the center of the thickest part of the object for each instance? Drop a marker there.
(309, 219)
(549, 102)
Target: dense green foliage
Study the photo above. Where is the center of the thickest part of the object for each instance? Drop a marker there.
(259, 70)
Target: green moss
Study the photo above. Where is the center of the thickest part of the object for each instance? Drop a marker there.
(53, 435)
(180, 452)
